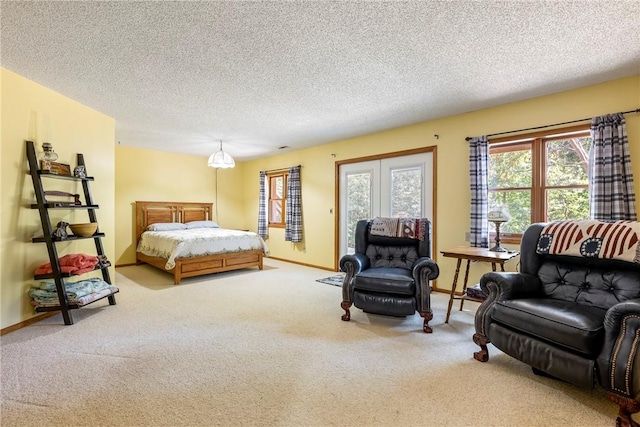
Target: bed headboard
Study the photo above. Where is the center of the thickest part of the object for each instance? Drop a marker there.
(152, 212)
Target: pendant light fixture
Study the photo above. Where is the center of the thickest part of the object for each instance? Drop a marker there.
(221, 159)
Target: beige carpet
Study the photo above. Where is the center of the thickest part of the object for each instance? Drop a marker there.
(268, 348)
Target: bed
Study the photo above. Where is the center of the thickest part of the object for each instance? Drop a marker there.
(245, 252)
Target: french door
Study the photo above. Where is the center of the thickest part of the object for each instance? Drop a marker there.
(390, 187)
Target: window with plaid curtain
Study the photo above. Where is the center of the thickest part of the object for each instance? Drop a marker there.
(611, 194)
(479, 178)
(293, 211)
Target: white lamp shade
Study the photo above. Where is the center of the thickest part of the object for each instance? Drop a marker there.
(220, 159)
(499, 214)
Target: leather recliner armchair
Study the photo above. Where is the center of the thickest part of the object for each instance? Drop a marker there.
(389, 275)
(575, 318)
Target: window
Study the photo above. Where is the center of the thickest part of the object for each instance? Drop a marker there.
(540, 177)
(277, 198)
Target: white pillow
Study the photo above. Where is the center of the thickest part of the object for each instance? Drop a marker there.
(202, 224)
(166, 226)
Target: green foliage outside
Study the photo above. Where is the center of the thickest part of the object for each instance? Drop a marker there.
(358, 204)
(510, 181)
(406, 191)
(511, 175)
(406, 198)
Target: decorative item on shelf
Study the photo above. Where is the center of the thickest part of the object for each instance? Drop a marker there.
(84, 230)
(498, 216)
(221, 159)
(103, 261)
(60, 232)
(60, 203)
(47, 156)
(80, 171)
(60, 169)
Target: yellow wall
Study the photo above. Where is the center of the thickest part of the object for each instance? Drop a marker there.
(147, 175)
(452, 212)
(31, 111)
(125, 174)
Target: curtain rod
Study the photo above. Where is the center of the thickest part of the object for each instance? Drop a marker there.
(637, 110)
(281, 169)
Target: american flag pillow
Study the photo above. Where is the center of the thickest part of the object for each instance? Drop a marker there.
(590, 238)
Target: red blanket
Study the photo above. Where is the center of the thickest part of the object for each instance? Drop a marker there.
(412, 228)
(72, 264)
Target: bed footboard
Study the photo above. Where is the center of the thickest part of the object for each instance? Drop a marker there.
(208, 264)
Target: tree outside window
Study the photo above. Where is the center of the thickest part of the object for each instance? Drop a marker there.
(406, 201)
(277, 198)
(360, 204)
(540, 177)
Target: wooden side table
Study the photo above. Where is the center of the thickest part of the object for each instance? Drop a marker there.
(476, 255)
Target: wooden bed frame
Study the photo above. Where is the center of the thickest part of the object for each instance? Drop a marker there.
(151, 212)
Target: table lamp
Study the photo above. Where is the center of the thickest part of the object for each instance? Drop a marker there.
(497, 216)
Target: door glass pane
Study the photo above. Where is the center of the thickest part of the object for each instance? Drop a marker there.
(567, 161)
(359, 203)
(406, 193)
(517, 204)
(570, 203)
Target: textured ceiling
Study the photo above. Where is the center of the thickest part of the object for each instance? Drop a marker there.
(178, 76)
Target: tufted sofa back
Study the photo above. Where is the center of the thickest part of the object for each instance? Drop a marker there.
(391, 251)
(595, 282)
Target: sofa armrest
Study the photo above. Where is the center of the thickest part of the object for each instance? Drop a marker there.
(619, 361)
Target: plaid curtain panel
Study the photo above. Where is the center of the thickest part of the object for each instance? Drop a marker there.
(611, 195)
(293, 214)
(263, 229)
(479, 179)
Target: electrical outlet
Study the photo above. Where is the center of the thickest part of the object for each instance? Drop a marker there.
(467, 236)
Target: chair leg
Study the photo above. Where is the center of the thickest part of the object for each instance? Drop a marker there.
(627, 406)
(426, 315)
(345, 306)
(483, 354)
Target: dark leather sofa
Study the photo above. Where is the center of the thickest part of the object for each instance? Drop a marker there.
(389, 275)
(573, 318)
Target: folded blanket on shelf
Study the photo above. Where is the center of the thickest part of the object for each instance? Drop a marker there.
(79, 301)
(72, 264)
(46, 291)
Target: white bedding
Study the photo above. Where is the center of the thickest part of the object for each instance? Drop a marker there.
(197, 241)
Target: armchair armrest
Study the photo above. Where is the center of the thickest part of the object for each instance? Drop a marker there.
(352, 265)
(509, 285)
(424, 270)
(425, 266)
(500, 286)
(357, 262)
(613, 318)
(619, 360)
